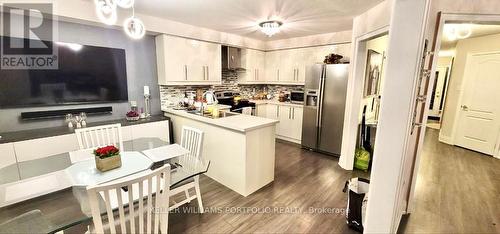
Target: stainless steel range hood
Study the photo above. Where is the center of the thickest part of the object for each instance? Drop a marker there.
(231, 58)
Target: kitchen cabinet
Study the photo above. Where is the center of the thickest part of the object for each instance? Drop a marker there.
(254, 63)
(261, 110)
(272, 66)
(182, 61)
(290, 116)
(292, 65)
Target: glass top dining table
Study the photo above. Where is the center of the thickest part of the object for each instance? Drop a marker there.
(67, 208)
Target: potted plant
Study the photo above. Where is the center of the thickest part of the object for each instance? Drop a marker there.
(107, 158)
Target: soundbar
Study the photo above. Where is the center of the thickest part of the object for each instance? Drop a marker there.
(62, 113)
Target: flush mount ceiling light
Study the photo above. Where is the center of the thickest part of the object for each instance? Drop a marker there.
(458, 31)
(107, 12)
(270, 27)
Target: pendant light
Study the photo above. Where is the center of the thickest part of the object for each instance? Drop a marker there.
(134, 27)
(106, 11)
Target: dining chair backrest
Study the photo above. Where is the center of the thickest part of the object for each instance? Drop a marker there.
(192, 140)
(93, 137)
(154, 187)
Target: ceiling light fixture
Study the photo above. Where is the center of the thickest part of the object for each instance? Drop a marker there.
(458, 31)
(106, 11)
(270, 27)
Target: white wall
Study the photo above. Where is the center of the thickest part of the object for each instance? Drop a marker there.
(364, 25)
(464, 47)
(342, 37)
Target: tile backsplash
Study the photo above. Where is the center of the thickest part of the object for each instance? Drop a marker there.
(173, 94)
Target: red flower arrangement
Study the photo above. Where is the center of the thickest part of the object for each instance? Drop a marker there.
(106, 151)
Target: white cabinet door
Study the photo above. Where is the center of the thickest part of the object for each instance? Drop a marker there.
(300, 64)
(272, 66)
(44, 147)
(296, 126)
(259, 61)
(286, 68)
(285, 117)
(249, 62)
(170, 68)
(211, 62)
(183, 61)
(262, 110)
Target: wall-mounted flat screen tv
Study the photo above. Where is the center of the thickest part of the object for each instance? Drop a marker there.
(85, 74)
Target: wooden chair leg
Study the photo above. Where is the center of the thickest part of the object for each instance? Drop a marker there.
(198, 193)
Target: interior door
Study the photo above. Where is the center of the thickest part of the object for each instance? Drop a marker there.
(437, 98)
(478, 121)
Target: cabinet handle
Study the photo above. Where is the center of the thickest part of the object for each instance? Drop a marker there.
(293, 113)
(185, 72)
(208, 74)
(289, 113)
(278, 111)
(278, 74)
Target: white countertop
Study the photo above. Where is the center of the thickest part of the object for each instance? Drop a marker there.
(240, 123)
(274, 102)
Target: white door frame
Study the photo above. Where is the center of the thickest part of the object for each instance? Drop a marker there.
(355, 95)
(445, 17)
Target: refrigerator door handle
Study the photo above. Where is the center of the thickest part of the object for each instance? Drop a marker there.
(320, 104)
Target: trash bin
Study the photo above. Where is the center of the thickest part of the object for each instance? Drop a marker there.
(357, 199)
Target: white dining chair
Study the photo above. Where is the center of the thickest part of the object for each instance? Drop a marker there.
(192, 140)
(154, 187)
(81, 155)
(93, 137)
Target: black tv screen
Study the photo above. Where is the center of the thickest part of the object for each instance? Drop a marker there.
(85, 74)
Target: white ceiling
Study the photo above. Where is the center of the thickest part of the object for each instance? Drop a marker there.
(478, 30)
(241, 17)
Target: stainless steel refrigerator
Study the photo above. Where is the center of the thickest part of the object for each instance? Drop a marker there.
(324, 105)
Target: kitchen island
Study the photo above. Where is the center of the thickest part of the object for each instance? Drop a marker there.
(240, 147)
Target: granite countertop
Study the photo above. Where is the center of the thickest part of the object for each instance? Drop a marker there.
(63, 130)
(239, 122)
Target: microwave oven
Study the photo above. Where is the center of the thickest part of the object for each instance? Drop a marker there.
(297, 97)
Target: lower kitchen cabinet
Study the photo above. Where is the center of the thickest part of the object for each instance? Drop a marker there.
(290, 126)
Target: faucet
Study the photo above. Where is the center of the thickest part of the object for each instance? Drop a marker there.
(203, 97)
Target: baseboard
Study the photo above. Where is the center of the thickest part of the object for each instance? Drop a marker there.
(446, 139)
(289, 139)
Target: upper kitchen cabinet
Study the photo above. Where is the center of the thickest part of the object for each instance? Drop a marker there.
(272, 66)
(292, 66)
(183, 61)
(254, 63)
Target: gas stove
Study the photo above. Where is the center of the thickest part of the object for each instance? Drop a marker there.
(228, 98)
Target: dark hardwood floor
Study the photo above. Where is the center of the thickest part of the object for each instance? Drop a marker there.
(304, 180)
(458, 191)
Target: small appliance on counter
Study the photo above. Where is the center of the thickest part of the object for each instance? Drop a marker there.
(297, 97)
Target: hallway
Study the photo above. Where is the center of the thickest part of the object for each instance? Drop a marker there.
(457, 191)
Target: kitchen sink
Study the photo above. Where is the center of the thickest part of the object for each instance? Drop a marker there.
(222, 114)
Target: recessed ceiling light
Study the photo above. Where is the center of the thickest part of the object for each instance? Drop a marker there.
(270, 27)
